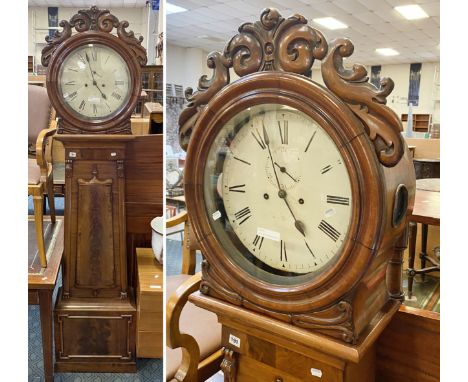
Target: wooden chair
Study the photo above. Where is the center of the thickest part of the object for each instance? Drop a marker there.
(193, 335)
(40, 178)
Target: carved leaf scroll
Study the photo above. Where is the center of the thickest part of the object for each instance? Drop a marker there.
(277, 44)
(366, 101)
(335, 321)
(94, 19)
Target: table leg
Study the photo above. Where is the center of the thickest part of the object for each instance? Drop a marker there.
(423, 253)
(45, 306)
(413, 231)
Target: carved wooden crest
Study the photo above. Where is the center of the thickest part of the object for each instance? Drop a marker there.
(275, 43)
(94, 19)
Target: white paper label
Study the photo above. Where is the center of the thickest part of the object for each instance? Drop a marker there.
(155, 286)
(316, 372)
(233, 340)
(330, 212)
(268, 234)
(72, 154)
(113, 154)
(216, 215)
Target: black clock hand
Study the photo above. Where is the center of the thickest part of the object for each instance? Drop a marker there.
(283, 169)
(281, 193)
(92, 75)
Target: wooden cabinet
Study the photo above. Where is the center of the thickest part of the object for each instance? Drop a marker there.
(420, 121)
(149, 305)
(152, 85)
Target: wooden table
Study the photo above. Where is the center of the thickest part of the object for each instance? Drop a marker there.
(149, 305)
(427, 212)
(41, 283)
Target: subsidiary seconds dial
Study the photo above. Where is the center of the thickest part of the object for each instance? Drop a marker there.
(285, 190)
(94, 82)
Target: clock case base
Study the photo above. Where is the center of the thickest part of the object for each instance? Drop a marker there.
(95, 335)
(258, 348)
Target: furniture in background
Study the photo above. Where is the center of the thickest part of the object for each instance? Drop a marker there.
(149, 305)
(140, 126)
(41, 285)
(409, 348)
(426, 168)
(30, 64)
(193, 334)
(37, 79)
(151, 84)
(154, 111)
(426, 212)
(40, 175)
(420, 121)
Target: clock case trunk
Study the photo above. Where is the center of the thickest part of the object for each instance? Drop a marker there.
(95, 314)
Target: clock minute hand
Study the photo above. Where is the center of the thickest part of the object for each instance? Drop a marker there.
(281, 193)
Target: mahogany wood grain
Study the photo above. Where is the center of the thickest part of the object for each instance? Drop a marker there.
(409, 348)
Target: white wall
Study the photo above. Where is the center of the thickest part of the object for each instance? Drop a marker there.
(186, 65)
(398, 99)
(137, 18)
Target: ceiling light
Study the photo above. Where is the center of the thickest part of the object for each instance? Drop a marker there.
(330, 23)
(411, 12)
(171, 8)
(387, 52)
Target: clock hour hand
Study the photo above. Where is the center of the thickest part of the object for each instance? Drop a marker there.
(92, 75)
(283, 169)
(282, 193)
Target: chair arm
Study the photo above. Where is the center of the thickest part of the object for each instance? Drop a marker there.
(176, 220)
(41, 148)
(188, 368)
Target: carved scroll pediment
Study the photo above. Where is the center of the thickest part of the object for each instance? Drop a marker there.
(94, 19)
(290, 45)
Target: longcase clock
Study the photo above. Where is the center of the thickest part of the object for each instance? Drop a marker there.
(93, 84)
(298, 196)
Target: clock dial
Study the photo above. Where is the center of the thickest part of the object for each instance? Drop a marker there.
(283, 192)
(94, 82)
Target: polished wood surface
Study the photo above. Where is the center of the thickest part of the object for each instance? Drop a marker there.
(426, 206)
(41, 285)
(149, 305)
(273, 347)
(409, 348)
(144, 193)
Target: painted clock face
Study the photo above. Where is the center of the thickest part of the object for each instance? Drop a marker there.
(94, 82)
(278, 194)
